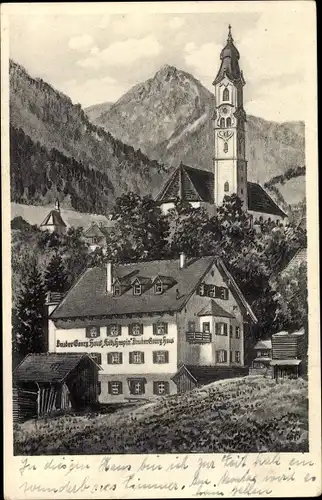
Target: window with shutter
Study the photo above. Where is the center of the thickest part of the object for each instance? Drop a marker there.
(161, 388)
(206, 327)
(223, 293)
(136, 357)
(160, 357)
(115, 387)
(161, 328)
(211, 291)
(225, 328)
(92, 332)
(136, 329)
(221, 356)
(96, 357)
(191, 326)
(113, 330)
(136, 386)
(114, 358)
(221, 328)
(201, 289)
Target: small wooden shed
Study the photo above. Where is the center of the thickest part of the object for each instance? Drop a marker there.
(47, 382)
(189, 377)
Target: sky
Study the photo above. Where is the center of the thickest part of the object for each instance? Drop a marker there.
(97, 58)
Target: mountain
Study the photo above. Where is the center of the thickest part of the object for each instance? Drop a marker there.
(55, 148)
(96, 110)
(169, 118)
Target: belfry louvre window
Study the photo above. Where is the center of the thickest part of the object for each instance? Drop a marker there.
(225, 95)
(115, 387)
(160, 357)
(114, 358)
(221, 356)
(221, 328)
(222, 122)
(114, 330)
(135, 329)
(136, 357)
(160, 388)
(160, 328)
(228, 122)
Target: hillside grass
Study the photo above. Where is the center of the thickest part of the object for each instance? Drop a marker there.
(251, 414)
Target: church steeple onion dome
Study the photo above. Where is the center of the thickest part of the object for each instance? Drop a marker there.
(229, 62)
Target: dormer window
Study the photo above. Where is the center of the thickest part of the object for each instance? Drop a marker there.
(137, 288)
(225, 95)
(158, 287)
(116, 290)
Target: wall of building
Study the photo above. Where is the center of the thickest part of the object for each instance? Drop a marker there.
(266, 217)
(165, 207)
(206, 354)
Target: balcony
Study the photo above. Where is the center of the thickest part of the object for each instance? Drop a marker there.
(198, 337)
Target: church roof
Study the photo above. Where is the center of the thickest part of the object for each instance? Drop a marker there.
(93, 232)
(53, 219)
(188, 184)
(260, 201)
(229, 62)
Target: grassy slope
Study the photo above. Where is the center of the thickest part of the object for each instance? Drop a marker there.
(252, 414)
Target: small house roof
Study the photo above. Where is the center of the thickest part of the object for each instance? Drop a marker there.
(54, 218)
(48, 367)
(214, 309)
(263, 359)
(202, 374)
(285, 362)
(263, 344)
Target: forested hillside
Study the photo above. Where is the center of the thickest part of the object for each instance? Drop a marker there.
(69, 139)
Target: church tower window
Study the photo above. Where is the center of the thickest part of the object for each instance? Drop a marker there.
(228, 122)
(225, 147)
(226, 187)
(222, 122)
(225, 95)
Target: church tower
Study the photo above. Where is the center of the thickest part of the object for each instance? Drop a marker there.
(230, 165)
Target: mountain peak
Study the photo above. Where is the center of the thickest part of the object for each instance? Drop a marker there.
(166, 71)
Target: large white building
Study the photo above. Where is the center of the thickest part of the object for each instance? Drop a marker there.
(154, 327)
(228, 173)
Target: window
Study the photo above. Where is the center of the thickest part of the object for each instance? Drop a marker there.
(99, 388)
(221, 328)
(96, 357)
(230, 331)
(228, 123)
(225, 147)
(206, 327)
(223, 293)
(137, 386)
(242, 191)
(160, 328)
(226, 187)
(237, 331)
(114, 358)
(201, 289)
(135, 329)
(222, 122)
(160, 357)
(136, 357)
(115, 388)
(191, 326)
(137, 289)
(114, 330)
(158, 287)
(211, 290)
(116, 290)
(225, 95)
(221, 356)
(92, 332)
(237, 356)
(160, 388)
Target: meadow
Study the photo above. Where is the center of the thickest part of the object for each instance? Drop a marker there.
(251, 414)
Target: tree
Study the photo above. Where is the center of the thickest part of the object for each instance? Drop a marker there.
(140, 231)
(30, 315)
(56, 277)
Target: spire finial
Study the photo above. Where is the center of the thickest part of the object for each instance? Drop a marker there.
(230, 38)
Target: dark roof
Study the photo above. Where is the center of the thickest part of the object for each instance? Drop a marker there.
(229, 62)
(188, 184)
(297, 260)
(260, 201)
(285, 362)
(214, 309)
(53, 219)
(89, 298)
(48, 367)
(206, 374)
(93, 232)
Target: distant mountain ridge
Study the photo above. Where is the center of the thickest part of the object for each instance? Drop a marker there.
(49, 118)
(169, 118)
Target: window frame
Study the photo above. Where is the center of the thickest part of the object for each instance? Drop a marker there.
(89, 328)
(218, 354)
(237, 332)
(204, 325)
(131, 329)
(220, 327)
(137, 289)
(237, 357)
(226, 187)
(157, 361)
(158, 283)
(226, 95)
(133, 356)
(109, 329)
(110, 357)
(97, 358)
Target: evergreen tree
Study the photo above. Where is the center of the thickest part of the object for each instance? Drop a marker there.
(30, 316)
(56, 277)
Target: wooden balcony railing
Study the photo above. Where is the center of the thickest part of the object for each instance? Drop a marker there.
(198, 337)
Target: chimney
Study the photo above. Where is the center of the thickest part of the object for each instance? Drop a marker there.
(182, 262)
(109, 277)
